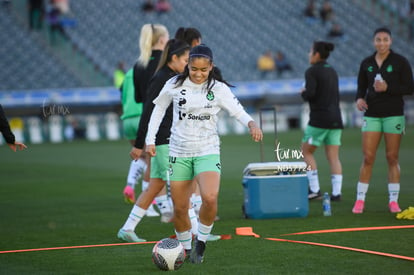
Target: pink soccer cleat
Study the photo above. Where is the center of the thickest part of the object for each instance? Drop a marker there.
(358, 207)
(129, 194)
(394, 207)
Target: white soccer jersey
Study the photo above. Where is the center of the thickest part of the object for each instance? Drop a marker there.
(194, 129)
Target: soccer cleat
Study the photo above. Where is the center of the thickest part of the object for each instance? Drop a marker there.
(394, 207)
(358, 207)
(129, 236)
(197, 253)
(212, 238)
(312, 195)
(129, 194)
(336, 198)
(151, 212)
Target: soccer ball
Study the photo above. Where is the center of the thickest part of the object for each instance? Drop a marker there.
(168, 254)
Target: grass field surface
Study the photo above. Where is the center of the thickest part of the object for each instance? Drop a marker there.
(63, 195)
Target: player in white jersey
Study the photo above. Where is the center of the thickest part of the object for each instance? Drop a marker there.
(197, 97)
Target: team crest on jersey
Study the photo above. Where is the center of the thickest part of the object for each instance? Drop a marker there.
(370, 69)
(210, 95)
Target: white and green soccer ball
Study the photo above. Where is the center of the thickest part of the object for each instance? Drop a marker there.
(168, 254)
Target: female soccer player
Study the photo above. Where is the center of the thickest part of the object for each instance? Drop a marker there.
(172, 62)
(193, 37)
(325, 123)
(153, 38)
(383, 79)
(197, 96)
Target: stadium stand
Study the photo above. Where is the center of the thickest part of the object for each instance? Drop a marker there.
(26, 62)
(237, 31)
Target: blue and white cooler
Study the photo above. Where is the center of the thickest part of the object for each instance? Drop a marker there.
(275, 190)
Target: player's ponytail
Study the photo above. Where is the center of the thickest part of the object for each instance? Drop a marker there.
(323, 48)
(150, 34)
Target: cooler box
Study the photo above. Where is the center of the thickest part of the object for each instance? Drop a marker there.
(275, 190)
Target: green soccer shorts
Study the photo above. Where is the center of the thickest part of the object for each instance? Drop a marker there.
(318, 136)
(391, 124)
(186, 168)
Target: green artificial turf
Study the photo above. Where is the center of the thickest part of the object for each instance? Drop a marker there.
(64, 195)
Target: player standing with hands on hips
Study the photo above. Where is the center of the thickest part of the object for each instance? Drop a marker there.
(197, 97)
(325, 124)
(383, 79)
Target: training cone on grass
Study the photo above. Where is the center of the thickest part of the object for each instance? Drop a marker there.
(246, 231)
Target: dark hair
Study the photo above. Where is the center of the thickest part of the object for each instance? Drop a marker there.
(173, 47)
(187, 34)
(202, 51)
(323, 48)
(382, 29)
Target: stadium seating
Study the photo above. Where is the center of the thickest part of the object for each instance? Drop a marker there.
(25, 62)
(237, 31)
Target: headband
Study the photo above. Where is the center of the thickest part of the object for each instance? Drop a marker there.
(200, 55)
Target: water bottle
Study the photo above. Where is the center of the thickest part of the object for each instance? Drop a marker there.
(378, 77)
(326, 205)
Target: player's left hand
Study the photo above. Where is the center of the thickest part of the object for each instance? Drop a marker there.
(255, 132)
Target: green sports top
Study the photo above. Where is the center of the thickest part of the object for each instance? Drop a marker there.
(130, 108)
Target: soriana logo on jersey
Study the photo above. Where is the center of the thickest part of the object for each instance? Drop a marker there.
(198, 117)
